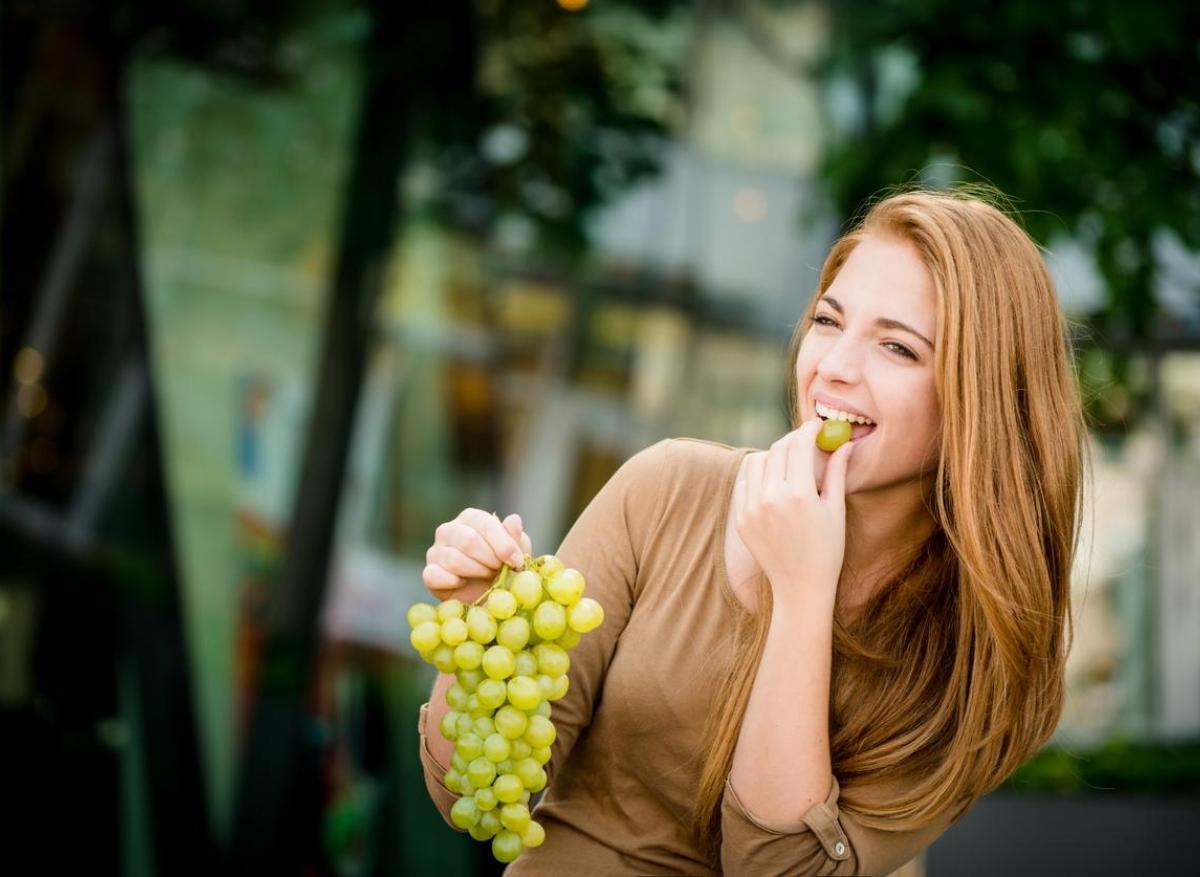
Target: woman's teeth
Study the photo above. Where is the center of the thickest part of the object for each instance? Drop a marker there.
(834, 414)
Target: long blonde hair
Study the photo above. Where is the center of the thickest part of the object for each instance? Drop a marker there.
(952, 673)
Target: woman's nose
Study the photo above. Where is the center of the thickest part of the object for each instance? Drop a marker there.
(840, 362)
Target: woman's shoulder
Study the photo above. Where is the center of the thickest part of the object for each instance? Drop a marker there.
(686, 466)
(686, 456)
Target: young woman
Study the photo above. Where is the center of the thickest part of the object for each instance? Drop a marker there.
(813, 663)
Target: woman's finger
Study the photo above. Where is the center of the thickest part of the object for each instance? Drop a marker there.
(498, 548)
(753, 476)
(461, 564)
(738, 502)
(801, 457)
(775, 470)
(513, 524)
(834, 488)
(438, 579)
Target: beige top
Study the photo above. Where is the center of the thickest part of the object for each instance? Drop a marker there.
(625, 766)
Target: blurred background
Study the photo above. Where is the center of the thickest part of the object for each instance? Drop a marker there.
(287, 284)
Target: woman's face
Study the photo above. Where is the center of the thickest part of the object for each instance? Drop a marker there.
(869, 352)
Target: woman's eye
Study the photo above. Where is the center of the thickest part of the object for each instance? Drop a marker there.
(901, 349)
(823, 320)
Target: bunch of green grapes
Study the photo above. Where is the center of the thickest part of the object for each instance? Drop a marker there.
(508, 652)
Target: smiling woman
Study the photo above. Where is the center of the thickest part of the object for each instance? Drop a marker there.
(936, 320)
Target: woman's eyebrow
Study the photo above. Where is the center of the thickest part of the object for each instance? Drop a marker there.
(885, 322)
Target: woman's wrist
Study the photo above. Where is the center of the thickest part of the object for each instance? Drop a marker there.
(805, 595)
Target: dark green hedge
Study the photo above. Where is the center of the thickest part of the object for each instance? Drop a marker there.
(1117, 766)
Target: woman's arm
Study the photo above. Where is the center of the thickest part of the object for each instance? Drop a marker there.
(781, 765)
(606, 544)
(441, 748)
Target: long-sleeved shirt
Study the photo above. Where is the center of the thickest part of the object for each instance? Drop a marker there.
(625, 767)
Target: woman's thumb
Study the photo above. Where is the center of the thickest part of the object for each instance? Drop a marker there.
(835, 473)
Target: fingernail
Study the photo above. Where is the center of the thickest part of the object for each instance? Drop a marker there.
(516, 559)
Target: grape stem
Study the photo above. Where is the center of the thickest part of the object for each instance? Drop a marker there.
(500, 581)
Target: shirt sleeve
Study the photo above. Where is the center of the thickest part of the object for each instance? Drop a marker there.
(606, 544)
(443, 799)
(824, 841)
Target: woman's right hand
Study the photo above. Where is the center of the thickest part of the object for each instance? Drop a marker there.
(468, 552)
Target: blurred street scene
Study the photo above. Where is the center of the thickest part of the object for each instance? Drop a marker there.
(286, 285)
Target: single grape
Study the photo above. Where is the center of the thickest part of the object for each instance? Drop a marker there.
(547, 565)
(469, 679)
(484, 727)
(549, 620)
(525, 798)
(465, 813)
(501, 605)
(448, 609)
(527, 770)
(508, 788)
(490, 821)
(545, 685)
(491, 693)
(511, 722)
(503, 767)
(485, 799)
(526, 586)
(834, 434)
(514, 817)
(456, 697)
(541, 755)
(468, 655)
(566, 587)
(469, 746)
(523, 693)
(561, 685)
(513, 633)
(520, 749)
(464, 724)
(419, 613)
(454, 631)
(448, 725)
(481, 773)
(498, 661)
(458, 763)
(452, 780)
(506, 846)
(497, 747)
(539, 732)
(551, 659)
(426, 636)
(443, 659)
(478, 832)
(569, 639)
(525, 664)
(542, 709)
(481, 626)
(586, 615)
(533, 835)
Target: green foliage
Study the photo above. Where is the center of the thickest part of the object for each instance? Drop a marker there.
(1086, 113)
(1117, 766)
(572, 109)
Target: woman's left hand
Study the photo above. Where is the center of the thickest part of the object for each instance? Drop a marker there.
(797, 535)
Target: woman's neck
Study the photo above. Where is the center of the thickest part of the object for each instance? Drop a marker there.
(882, 532)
